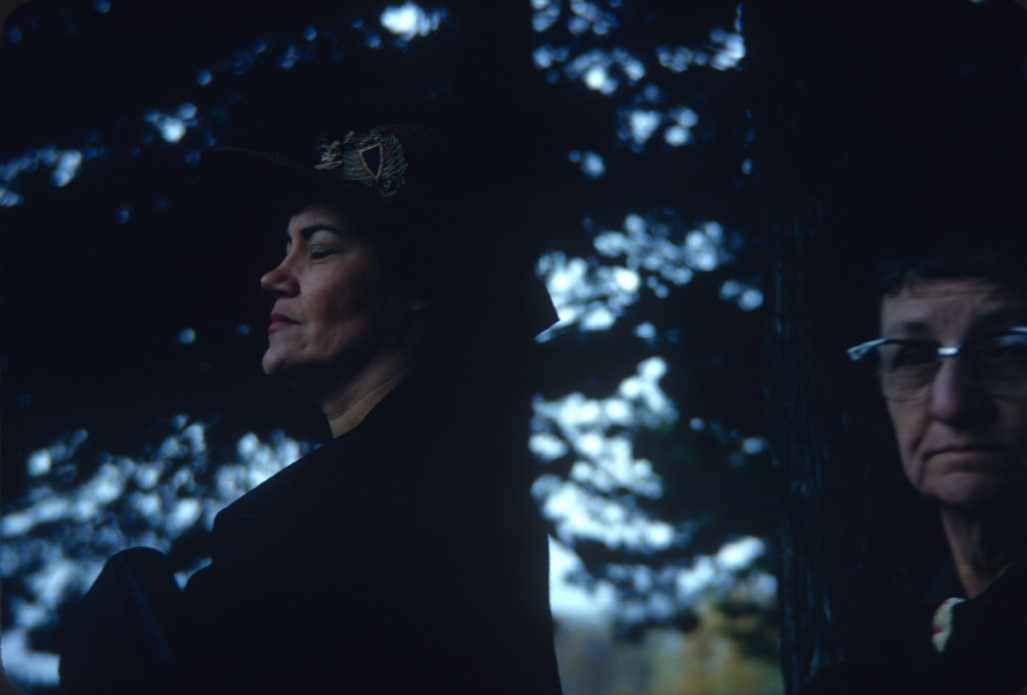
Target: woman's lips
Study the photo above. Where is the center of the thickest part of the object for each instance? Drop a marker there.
(975, 457)
(280, 321)
(968, 449)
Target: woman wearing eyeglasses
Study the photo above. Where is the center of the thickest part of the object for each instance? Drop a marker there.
(951, 361)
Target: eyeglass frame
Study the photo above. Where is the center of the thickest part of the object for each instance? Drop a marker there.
(859, 352)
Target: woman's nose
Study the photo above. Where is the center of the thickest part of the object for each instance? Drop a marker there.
(957, 396)
(279, 282)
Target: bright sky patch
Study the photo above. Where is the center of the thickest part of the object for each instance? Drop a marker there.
(410, 20)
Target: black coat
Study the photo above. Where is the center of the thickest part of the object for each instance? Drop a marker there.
(985, 653)
(403, 557)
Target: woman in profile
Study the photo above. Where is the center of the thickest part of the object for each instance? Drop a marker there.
(405, 555)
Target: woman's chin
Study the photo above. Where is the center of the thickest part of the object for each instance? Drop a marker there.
(277, 367)
(271, 365)
(308, 380)
(974, 491)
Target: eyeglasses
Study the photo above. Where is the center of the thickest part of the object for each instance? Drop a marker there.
(906, 368)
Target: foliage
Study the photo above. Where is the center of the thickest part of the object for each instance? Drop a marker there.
(614, 135)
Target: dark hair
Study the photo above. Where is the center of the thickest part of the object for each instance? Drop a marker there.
(473, 282)
(1002, 260)
(424, 256)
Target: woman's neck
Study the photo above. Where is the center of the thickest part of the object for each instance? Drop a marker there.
(983, 544)
(348, 404)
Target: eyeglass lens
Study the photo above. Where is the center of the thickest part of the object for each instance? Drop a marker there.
(999, 364)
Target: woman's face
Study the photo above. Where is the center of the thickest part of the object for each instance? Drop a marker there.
(960, 445)
(334, 313)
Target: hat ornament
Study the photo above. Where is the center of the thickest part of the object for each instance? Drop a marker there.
(374, 159)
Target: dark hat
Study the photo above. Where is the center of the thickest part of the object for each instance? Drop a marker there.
(410, 181)
(396, 168)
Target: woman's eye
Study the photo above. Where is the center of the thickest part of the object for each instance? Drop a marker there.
(1012, 346)
(317, 251)
(914, 356)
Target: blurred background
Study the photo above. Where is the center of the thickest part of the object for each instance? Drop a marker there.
(700, 185)
(617, 135)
